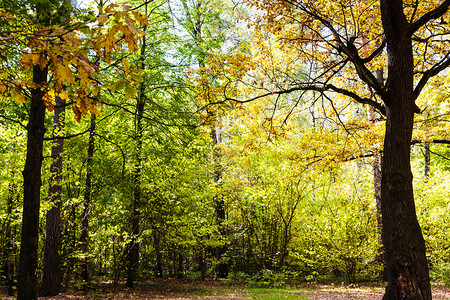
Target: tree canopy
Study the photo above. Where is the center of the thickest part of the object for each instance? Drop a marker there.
(265, 141)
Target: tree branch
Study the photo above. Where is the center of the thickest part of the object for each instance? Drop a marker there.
(349, 49)
(319, 88)
(14, 121)
(436, 69)
(66, 137)
(437, 141)
(431, 15)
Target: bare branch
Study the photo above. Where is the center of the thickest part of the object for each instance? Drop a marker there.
(437, 141)
(66, 137)
(313, 87)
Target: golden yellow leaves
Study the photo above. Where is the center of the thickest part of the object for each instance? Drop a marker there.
(126, 65)
(17, 95)
(33, 59)
(73, 54)
(434, 122)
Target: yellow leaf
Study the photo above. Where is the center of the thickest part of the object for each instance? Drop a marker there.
(142, 19)
(95, 91)
(131, 25)
(18, 96)
(3, 88)
(77, 112)
(102, 19)
(64, 95)
(126, 65)
(137, 77)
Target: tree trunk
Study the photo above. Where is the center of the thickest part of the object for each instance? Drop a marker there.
(406, 262)
(376, 172)
(27, 287)
(8, 255)
(427, 155)
(84, 237)
(158, 254)
(133, 246)
(219, 251)
(51, 276)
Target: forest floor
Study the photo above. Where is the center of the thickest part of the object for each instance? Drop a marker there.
(173, 289)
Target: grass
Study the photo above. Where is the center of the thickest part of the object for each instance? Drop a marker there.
(274, 293)
(194, 289)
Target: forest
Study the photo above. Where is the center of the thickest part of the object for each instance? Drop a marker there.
(254, 142)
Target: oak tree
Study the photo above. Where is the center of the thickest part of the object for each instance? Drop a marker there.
(345, 43)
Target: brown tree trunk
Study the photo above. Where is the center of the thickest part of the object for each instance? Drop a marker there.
(406, 262)
(84, 237)
(133, 246)
(8, 254)
(51, 276)
(376, 171)
(157, 246)
(427, 156)
(27, 287)
(219, 251)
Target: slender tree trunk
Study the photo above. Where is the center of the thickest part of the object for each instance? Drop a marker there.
(376, 171)
(70, 233)
(84, 237)
(133, 246)
(28, 260)
(157, 247)
(427, 156)
(219, 251)
(8, 255)
(406, 262)
(180, 260)
(51, 276)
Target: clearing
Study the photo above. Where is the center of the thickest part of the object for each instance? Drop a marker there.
(171, 289)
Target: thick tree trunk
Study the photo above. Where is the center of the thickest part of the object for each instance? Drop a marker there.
(51, 276)
(28, 260)
(84, 237)
(406, 262)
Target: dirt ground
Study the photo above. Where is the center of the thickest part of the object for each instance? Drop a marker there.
(172, 289)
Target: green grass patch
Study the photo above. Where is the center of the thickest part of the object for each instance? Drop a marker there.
(275, 293)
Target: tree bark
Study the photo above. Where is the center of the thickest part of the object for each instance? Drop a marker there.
(133, 246)
(406, 262)
(157, 246)
(84, 237)
(427, 156)
(219, 251)
(27, 287)
(51, 276)
(8, 254)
